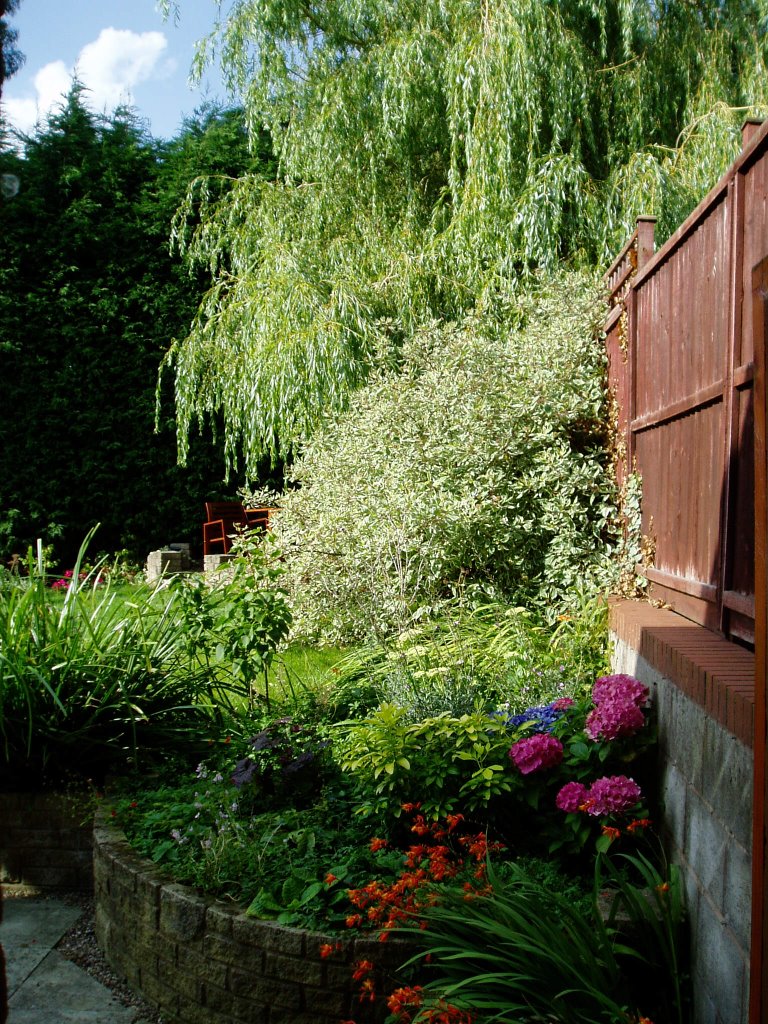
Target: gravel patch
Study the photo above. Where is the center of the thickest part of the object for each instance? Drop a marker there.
(80, 947)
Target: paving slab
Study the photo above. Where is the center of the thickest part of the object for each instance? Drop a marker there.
(30, 930)
(44, 987)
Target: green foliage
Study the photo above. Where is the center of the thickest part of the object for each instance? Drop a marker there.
(224, 840)
(87, 274)
(444, 763)
(527, 953)
(238, 623)
(430, 154)
(464, 764)
(476, 469)
(92, 681)
(467, 657)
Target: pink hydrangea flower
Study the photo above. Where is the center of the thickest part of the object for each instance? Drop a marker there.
(571, 797)
(534, 753)
(562, 703)
(611, 795)
(623, 688)
(613, 719)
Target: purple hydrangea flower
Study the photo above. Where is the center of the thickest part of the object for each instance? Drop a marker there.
(537, 752)
(623, 688)
(613, 719)
(612, 794)
(571, 797)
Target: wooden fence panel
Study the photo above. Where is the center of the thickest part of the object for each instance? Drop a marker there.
(680, 354)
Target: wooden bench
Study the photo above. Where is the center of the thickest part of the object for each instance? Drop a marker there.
(224, 518)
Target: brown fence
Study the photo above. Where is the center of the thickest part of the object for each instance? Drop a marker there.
(681, 370)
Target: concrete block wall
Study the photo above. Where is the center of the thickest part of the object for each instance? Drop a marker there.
(205, 962)
(45, 841)
(701, 689)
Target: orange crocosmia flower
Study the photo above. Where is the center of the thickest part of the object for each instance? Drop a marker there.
(454, 820)
(326, 950)
(362, 967)
(664, 887)
(368, 990)
(638, 823)
(330, 879)
(354, 920)
(377, 844)
(410, 808)
(612, 833)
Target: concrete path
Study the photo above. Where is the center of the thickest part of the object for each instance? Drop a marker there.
(43, 987)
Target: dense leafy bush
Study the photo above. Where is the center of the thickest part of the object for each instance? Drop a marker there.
(542, 778)
(475, 469)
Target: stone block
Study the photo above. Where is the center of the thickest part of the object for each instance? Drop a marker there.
(302, 971)
(718, 968)
(225, 951)
(219, 919)
(673, 795)
(182, 915)
(275, 938)
(706, 843)
(737, 903)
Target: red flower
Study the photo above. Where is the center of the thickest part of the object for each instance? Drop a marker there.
(330, 879)
(362, 968)
(377, 844)
(368, 991)
(638, 823)
(326, 950)
(612, 833)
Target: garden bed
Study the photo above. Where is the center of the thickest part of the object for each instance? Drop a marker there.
(202, 961)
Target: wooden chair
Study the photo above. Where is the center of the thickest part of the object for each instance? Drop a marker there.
(222, 521)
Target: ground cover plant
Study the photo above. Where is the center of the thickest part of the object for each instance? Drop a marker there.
(547, 780)
(305, 822)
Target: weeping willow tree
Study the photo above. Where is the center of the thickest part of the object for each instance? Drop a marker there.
(432, 153)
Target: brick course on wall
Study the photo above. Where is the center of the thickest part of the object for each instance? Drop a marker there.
(703, 690)
(45, 841)
(201, 961)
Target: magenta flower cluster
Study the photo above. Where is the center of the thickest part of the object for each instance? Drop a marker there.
(612, 794)
(618, 701)
(534, 753)
(66, 580)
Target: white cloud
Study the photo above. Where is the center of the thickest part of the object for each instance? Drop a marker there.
(110, 68)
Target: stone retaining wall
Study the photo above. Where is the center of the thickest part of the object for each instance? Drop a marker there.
(45, 841)
(703, 689)
(205, 962)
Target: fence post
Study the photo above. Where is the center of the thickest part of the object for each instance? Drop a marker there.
(646, 228)
(749, 130)
(758, 971)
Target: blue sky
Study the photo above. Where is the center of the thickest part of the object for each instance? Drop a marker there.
(123, 51)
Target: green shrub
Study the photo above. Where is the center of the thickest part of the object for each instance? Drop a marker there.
(476, 469)
(507, 769)
(467, 658)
